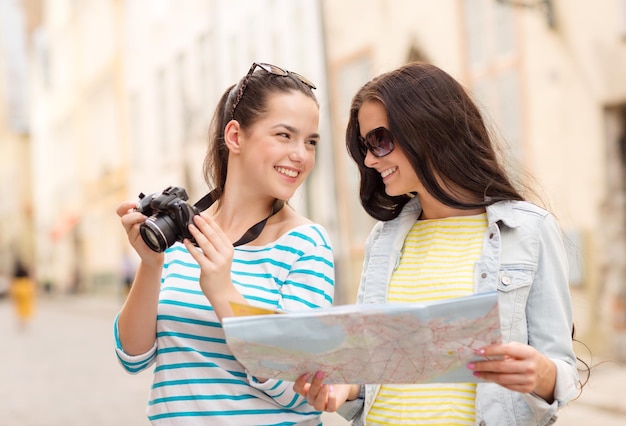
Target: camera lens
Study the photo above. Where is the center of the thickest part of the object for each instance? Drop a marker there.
(159, 232)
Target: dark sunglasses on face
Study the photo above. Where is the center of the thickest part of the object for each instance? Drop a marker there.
(378, 141)
(270, 69)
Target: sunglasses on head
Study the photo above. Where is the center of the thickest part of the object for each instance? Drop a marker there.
(378, 141)
(270, 69)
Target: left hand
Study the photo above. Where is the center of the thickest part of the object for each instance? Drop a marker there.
(216, 257)
(324, 397)
(517, 367)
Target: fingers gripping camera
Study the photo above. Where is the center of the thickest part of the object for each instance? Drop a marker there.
(169, 216)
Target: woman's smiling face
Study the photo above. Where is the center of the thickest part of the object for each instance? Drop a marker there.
(395, 169)
(279, 150)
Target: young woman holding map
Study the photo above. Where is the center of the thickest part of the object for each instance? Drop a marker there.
(453, 224)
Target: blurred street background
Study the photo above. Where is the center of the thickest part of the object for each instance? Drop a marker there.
(103, 99)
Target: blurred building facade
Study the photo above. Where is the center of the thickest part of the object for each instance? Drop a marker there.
(122, 92)
(16, 200)
(122, 96)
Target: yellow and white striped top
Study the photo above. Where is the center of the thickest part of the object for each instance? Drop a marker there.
(437, 262)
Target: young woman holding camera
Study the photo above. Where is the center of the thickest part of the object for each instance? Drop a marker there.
(262, 147)
(451, 223)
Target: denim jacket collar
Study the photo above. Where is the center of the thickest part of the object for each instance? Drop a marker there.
(504, 212)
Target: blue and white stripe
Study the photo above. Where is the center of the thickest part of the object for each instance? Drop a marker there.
(197, 380)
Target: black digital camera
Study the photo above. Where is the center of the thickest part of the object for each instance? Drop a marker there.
(169, 216)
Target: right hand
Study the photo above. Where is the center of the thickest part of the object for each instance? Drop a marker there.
(131, 220)
(324, 397)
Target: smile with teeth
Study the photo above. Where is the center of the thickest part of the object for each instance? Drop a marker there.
(387, 172)
(287, 172)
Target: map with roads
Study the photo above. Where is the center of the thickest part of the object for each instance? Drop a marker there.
(388, 343)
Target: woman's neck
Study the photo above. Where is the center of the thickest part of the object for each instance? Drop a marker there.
(434, 209)
(443, 213)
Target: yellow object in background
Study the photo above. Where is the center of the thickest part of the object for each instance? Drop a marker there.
(23, 296)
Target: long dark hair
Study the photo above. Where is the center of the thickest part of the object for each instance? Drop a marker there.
(443, 134)
(252, 106)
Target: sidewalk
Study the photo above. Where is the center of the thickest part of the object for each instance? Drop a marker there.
(63, 371)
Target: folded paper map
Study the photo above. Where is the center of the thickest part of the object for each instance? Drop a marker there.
(387, 343)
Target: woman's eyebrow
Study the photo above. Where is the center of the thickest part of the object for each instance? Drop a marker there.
(294, 130)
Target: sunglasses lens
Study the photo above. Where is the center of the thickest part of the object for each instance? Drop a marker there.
(303, 79)
(379, 141)
(273, 69)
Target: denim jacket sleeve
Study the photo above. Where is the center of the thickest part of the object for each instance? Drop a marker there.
(535, 308)
(550, 318)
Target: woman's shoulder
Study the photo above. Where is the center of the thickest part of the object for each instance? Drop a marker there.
(296, 227)
(529, 207)
(514, 210)
(311, 234)
(525, 216)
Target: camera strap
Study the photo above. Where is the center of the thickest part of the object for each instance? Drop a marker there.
(254, 231)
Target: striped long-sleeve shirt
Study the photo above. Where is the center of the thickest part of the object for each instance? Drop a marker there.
(197, 380)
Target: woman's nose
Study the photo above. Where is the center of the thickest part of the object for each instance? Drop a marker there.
(370, 159)
(298, 152)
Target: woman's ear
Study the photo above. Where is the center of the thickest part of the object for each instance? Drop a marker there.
(231, 136)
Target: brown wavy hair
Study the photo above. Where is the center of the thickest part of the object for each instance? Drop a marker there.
(442, 132)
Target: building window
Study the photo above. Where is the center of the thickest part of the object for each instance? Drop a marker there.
(493, 68)
(185, 108)
(622, 19)
(136, 131)
(162, 110)
(353, 222)
(350, 78)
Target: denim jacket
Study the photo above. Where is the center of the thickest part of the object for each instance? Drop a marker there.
(523, 257)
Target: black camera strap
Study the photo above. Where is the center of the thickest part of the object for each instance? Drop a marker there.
(254, 231)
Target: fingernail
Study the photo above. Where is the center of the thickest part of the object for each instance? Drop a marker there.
(471, 365)
(476, 374)
(319, 375)
(480, 351)
(331, 389)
